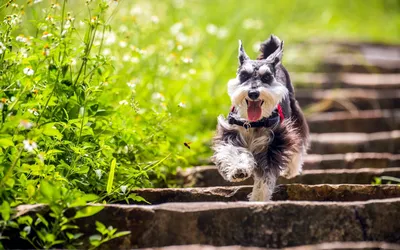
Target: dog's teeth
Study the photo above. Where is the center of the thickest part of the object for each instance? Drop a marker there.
(262, 103)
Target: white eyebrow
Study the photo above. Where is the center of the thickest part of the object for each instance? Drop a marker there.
(248, 68)
(264, 69)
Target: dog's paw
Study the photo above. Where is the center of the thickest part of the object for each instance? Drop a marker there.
(236, 174)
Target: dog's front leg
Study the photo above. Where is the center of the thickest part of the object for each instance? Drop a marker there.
(234, 163)
(263, 187)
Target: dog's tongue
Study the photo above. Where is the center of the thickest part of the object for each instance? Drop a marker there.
(254, 110)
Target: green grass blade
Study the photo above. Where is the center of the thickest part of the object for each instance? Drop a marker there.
(111, 175)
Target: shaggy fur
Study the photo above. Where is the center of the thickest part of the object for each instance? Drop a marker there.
(264, 152)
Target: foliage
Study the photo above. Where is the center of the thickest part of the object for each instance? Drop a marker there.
(99, 97)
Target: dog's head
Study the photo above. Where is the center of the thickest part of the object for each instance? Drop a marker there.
(256, 90)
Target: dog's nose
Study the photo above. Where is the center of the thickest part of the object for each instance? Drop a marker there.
(254, 94)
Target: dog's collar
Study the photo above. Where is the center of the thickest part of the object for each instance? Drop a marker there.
(274, 119)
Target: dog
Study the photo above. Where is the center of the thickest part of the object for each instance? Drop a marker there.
(265, 134)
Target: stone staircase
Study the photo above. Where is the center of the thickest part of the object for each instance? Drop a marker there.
(332, 205)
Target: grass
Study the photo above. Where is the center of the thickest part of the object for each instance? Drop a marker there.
(98, 98)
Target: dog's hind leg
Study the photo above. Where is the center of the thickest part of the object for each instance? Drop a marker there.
(264, 185)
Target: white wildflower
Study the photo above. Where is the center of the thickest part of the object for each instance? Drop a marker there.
(29, 145)
(110, 38)
(135, 60)
(25, 124)
(37, 1)
(23, 52)
(158, 96)
(2, 48)
(182, 105)
(222, 33)
(132, 83)
(49, 18)
(123, 188)
(192, 71)
(155, 19)
(106, 51)
(123, 44)
(179, 47)
(123, 102)
(176, 28)
(33, 111)
(46, 35)
(99, 173)
(126, 58)
(123, 28)
(21, 38)
(73, 61)
(212, 29)
(29, 71)
(137, 10)
(187, 60)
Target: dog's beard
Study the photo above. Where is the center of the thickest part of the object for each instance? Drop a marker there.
(270, 97)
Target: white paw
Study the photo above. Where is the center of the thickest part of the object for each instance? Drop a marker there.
(236, 174)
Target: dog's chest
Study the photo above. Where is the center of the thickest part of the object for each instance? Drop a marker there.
(257, 139)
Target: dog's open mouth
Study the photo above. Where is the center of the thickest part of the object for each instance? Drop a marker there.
(254, 110)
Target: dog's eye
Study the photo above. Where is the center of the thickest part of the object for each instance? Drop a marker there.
(266, 78)
(244, 76)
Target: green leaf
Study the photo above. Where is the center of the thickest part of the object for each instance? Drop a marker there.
(65, 227)
(10, 182)
(25, 220)
(95, 239)
(50, 130)
(41, 219)
(46, 190)
(87, 211)
(5, 210)
(120, 234)
(111, 176)
(138, 198)
(100, 227)
(6, 142)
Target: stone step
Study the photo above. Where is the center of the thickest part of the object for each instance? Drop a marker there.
(208, 176)
(260, 224)
(349, 99)
(323, 246)
(365, 121)
(352, 161)
(357, 63)
(289, 192)
(345, 80)
(340, 143)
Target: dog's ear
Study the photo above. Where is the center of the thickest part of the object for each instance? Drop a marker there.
(276, 57)
(272, 50)
(242, 54)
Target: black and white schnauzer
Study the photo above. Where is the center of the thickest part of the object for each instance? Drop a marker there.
(265, 134)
